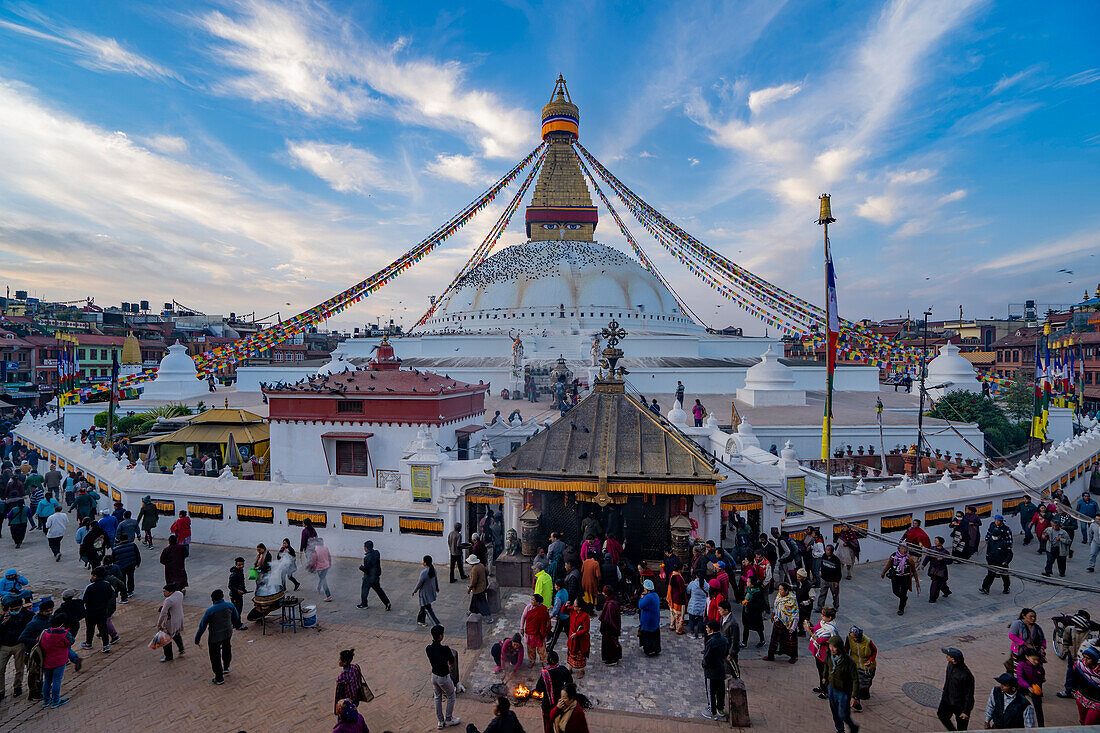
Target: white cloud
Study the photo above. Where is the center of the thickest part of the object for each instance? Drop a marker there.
(345, 167)
(762, 98)
(1045, 254)
(956, 195)
(911, 177)
(1080, 79)
(212, 238)
(305, 56)
(882, 209)
(1007, 82)
(461, 168)
(167, 144)
(646, 154)
(693, 161)
(96, 52)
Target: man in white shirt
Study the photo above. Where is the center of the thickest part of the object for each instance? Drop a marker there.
(56, 524)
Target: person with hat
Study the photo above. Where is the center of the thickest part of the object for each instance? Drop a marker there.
(803, 595)
(649, 620)
(1073, 637)
(1058, 547)
(998, 554)
(957, 700)
(1085, 683)
(478, 588)
(1007, 707)
(13, 587)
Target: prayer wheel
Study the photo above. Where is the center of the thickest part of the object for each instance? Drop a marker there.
(529, 527)
(680, 528)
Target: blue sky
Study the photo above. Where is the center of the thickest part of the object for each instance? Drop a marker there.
(263, 155)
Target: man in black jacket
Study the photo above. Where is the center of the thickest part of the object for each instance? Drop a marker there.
(998, 553)
(957, 700)
(715, 650)
(99, 599)
(128, 559)
(237, 589)
(14, 620)
(372, 575)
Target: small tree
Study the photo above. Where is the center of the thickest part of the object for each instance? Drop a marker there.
(1018, 399)
(962, 406)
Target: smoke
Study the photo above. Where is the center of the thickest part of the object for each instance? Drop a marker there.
(273, 582)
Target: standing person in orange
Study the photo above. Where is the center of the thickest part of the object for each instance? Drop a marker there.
(580, 639)
(181, 528)
(590, 581)
(677, 601)
(535, 623)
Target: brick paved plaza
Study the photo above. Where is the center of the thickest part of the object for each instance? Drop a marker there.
(284, 681)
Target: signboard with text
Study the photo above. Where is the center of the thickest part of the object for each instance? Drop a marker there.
(421, 483)
(796, 492)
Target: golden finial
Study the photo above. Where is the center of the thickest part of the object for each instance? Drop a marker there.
(826, 210)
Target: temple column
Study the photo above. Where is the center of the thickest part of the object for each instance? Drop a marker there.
(712, 518)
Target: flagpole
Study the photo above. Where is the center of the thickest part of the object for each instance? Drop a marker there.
(824, 218)
(111, 404)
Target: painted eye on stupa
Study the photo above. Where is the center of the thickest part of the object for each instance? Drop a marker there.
(572, 226)
(549, 226)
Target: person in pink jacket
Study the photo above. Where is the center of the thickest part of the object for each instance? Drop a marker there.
(55, 642)
(321, 562)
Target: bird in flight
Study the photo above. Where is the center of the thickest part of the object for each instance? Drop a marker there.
(1068, 272)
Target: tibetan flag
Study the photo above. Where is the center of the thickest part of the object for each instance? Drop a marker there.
(832, 330)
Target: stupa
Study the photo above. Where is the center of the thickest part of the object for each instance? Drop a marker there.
(550, 296)
(177, 378)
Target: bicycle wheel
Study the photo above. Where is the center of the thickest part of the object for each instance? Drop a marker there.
(1059, 643)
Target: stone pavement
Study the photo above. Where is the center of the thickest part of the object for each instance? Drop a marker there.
(284, 681)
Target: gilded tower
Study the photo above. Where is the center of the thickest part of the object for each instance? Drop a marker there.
(561, 206)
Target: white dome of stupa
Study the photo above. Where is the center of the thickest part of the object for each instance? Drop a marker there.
(582, 285)
(770, 383)
(953, 370)
(177, 377)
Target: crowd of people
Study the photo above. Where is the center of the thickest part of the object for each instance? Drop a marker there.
(788, 589)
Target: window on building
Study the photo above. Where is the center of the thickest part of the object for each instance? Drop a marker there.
(349, 406)
(351, 458)
(1015, 355)
(80, 353)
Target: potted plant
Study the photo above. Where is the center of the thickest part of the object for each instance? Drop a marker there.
(849, 450)
(870, 450)
(859, 450)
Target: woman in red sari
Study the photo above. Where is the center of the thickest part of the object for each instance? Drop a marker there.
(580, 639)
